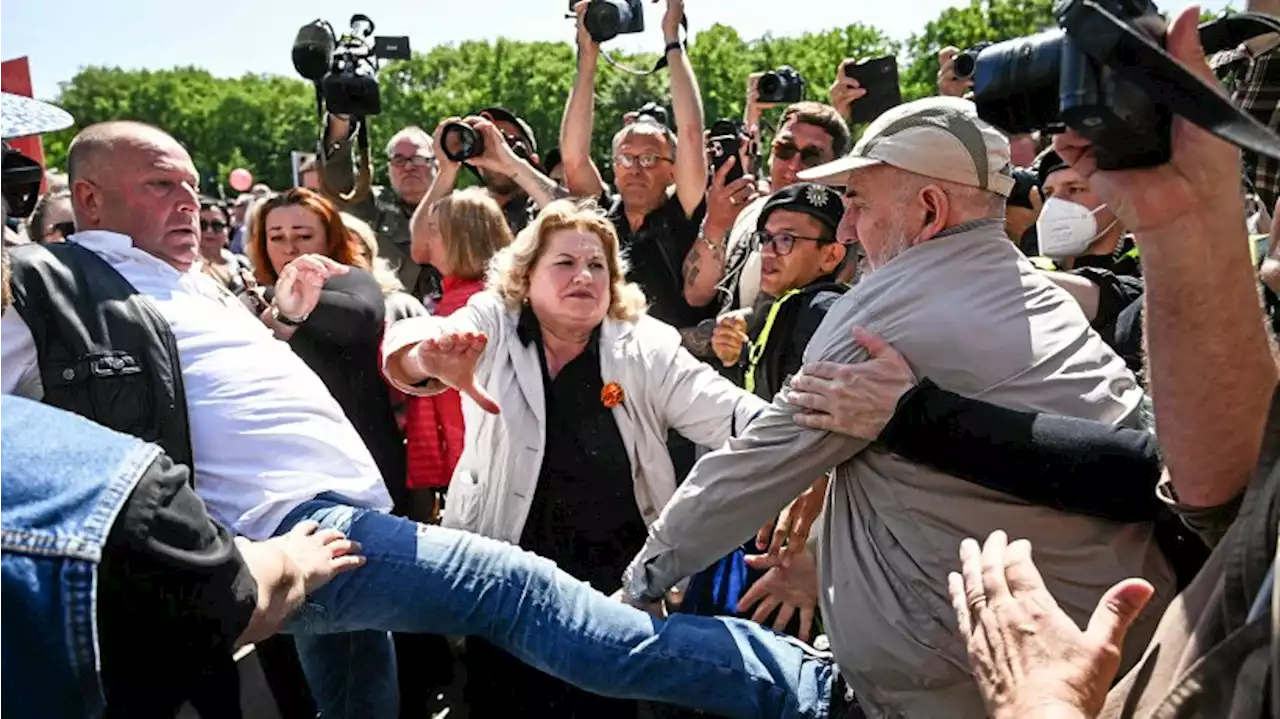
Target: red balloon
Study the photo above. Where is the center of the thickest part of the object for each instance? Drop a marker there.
(241, 179)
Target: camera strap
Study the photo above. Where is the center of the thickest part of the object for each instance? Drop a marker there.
(1133, 55)
(659, 65)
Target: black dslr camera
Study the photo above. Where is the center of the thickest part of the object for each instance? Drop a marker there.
(1105, 74)
(607, 19)
(781, 85)
(345, 69)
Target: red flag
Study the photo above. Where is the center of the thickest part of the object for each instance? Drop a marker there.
(15, 77)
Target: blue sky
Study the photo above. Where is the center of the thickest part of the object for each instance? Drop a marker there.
(232, 37)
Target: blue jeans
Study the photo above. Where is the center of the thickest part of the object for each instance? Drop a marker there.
(428, 579)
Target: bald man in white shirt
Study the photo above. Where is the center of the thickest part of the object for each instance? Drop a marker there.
(271, 448)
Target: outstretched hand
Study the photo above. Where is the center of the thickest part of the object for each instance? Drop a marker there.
(452, 358)
(786, 590)
(1026, 653)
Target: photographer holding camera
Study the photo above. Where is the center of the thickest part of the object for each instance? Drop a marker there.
(656, 225)
(809, 134)
(501, 149)
(412, 163)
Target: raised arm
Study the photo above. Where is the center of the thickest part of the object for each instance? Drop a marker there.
(580, 173)
(1070, 464)
(1202, 309)
(425, 355)
(686, 101)
(338, 170)
(350, 311)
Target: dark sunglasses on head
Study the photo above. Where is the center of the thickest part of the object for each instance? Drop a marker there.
(215, 225)
(783, 242)
(66, 229)
(809, 156)
(21, 182)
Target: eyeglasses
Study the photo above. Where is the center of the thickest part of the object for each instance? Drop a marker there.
(782, 242)
(66, 229)
(402, 161)
(809, 156)
(645, 161)
(215, 226)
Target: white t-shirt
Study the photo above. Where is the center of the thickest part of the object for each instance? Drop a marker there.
(266, 435)
(739, 237)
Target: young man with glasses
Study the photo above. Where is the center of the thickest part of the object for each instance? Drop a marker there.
(52, 220)
(723, 269)
(796, 241)
(661, 185)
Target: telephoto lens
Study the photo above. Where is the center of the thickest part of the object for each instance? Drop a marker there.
(461, 142)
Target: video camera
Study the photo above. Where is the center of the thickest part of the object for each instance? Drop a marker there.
(782, 85)
(607, 19)
(1106, 75)
(345, 69)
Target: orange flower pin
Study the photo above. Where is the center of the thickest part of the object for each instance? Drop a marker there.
(612, 395)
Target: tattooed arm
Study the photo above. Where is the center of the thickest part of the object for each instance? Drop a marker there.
(704, 267)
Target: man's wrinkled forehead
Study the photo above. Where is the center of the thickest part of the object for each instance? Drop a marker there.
(640, 139)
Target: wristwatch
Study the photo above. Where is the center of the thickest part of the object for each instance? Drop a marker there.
(280, 317)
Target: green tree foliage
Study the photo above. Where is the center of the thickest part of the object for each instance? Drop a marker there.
(254, 121)
(963, 27)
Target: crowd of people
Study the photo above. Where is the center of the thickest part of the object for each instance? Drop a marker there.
(827, 428)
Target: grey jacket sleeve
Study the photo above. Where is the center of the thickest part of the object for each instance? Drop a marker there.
(730, 493)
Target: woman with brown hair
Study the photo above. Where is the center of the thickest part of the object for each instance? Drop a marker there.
(458, 235)
(327, 305)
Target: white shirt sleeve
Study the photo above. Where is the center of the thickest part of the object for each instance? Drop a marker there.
(19, 369)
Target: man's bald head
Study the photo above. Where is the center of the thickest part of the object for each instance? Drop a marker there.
(135, 179)
(95, 141)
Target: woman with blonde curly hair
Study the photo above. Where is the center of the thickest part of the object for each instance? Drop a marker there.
(572, 390)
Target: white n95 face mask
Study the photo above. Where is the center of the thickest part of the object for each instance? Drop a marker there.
(1066, 229)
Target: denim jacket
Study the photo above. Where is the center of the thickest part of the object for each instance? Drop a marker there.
(58, 501)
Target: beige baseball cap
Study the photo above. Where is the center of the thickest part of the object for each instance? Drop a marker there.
(938, 137)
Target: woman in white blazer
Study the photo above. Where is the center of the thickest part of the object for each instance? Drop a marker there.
(557, 302)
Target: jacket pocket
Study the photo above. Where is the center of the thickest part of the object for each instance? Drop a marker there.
(112, 388)
(462, 504)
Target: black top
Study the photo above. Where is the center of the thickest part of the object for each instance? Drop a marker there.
(584, 515)
(783, 354)
(1067, 463)
(1121, 262)
(519, 212)
(340, 342)
(1119, 317)
(656, 253)
(174, 594)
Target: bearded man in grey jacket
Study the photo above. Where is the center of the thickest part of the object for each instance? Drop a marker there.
(924, 197)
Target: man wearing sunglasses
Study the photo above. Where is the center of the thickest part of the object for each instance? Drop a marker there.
(411, 168)
(809, 134)
(52, 220)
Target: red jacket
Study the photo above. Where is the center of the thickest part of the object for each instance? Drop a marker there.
(434, 429)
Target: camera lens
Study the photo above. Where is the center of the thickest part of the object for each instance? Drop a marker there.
(461, 142)
(963, 65)
(770, 86)
(1015, 83)
(603, 20)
